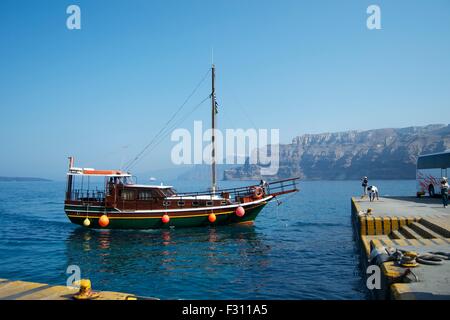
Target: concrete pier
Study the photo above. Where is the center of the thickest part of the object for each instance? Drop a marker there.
(22, 290)
(420, 225)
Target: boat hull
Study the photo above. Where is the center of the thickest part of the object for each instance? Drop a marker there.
(134, 220)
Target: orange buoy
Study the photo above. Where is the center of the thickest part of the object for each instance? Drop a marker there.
(212, 218)
(240, 211)
(165, 218)
(103, 221)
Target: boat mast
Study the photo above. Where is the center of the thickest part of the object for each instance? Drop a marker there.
(213, 125)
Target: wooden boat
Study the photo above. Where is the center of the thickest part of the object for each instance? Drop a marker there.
(120, 203)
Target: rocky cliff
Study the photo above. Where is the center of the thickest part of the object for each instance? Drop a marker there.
(379, 154)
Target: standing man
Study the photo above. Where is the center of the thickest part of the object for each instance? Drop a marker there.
(444, 191)
(264, 185)
(373, 192)
(364, 184)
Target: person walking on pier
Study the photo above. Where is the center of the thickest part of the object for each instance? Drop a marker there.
(364, 184)
(444, 191)
(373, 192)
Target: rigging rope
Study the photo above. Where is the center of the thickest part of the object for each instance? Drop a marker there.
(169, 130)
(280, 200)
(132, 162)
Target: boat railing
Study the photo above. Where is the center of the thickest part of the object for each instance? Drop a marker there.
(282, 186)
(275, 187)
(218, 192)
(87, 195)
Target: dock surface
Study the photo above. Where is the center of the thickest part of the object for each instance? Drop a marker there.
(23, 290)
(421, 225)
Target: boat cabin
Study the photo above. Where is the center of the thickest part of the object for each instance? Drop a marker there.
(119, 190)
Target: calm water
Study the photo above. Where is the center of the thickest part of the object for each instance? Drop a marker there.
(303, 249)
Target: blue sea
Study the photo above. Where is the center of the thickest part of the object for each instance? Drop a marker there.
(302, 249)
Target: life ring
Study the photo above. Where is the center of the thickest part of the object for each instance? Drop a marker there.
(258, 193)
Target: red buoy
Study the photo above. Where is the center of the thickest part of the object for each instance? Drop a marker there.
(165, 218)
(240, 211)
(212, 218)
(103, 221)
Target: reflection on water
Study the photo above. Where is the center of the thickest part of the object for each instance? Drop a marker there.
(304, 249)
(147, 258)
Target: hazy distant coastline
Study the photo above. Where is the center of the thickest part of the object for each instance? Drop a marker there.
(21, 179)
(387, 154)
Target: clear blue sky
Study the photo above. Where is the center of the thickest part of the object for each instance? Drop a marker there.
(102, 92)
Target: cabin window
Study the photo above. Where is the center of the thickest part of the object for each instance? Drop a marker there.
(223, 202)
(145, 195)
(181, 203)
(195, 203)
(209, 203)
(127, 195)
(166, 203)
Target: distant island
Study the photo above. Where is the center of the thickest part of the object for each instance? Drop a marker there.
(21, 179)
(379, 154)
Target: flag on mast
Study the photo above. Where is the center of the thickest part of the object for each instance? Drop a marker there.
(216, 107)
(216, 104)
